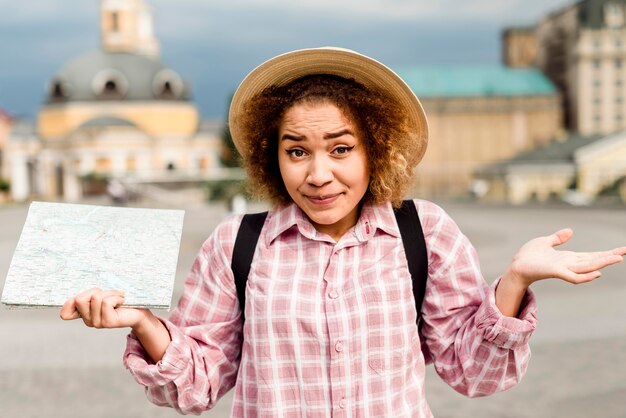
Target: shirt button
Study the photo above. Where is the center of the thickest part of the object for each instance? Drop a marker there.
(333, 294)
(342, 403)
(339, 346)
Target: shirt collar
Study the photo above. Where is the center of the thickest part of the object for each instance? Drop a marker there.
(376, 218)
(373, 218)
(283, 218)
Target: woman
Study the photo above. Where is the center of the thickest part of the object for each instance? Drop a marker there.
(331, 137)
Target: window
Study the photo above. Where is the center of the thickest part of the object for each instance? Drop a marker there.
(167, 84)
(58, 91)
(115, 22)
(618, 63)
(596, 43)
(596, 63)
(109, 84)
(614, 15)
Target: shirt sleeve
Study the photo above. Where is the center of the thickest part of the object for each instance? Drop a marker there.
(475, 349)
(202, 360)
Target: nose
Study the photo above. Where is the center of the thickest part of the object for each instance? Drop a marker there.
(320, 172)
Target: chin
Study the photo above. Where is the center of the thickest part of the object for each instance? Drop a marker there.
(322, 220)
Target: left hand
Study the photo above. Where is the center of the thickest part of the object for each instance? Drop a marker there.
(538, 259)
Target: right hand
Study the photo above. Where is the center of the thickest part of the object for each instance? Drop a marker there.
(103, 309)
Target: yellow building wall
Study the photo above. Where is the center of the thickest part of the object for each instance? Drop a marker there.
(163, 118)
(466, 134)
(5, 128)
(602, 169)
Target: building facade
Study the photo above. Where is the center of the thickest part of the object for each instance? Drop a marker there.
(478, 115)
(117, 112)
(519, 47)
(582, 49)
(577, 170)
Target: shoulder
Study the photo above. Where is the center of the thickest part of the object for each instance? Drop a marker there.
(223, 237)
(222, 240)
(432, 216)
(442, 235)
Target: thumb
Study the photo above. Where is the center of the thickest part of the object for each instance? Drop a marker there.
(561, 236)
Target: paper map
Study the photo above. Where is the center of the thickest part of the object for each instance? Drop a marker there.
(65, 249)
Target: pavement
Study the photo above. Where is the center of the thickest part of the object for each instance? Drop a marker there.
(50, 368)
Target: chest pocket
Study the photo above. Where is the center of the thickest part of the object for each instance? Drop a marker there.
(390, 317)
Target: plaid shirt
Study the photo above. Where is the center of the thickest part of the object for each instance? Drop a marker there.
(330, 326)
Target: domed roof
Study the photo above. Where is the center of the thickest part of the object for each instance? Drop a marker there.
(101, 75)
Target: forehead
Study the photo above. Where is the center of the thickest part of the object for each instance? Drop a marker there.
(318, 111)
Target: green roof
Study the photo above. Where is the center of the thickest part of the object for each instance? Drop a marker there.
(476, 80)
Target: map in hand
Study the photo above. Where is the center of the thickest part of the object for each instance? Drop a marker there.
(65, 249)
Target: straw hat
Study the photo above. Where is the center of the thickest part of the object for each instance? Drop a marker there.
(345, 63)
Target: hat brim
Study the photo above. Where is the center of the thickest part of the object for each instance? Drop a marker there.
(290, 66)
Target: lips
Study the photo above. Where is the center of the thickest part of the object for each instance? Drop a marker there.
(323, 199)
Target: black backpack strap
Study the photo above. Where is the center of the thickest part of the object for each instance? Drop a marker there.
(415, 249)
(243, 253)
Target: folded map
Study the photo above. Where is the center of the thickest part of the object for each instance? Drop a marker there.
(65, 249)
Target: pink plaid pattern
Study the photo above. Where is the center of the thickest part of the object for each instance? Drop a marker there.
(330, 327)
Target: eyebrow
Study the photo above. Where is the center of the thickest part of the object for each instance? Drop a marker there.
(330, 135)
(338, 134)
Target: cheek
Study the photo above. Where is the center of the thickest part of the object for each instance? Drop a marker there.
(288, 175)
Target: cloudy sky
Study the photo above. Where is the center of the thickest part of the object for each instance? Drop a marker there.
(214, 43)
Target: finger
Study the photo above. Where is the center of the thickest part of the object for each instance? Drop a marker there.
(68, 310)
(561, 236)
(109, 315)
(579, 278)
(619, 251)
(596, 261)
(96, 305)
(83, 304)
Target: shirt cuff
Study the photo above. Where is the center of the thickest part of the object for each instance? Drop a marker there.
(176, 358)
(505, 331)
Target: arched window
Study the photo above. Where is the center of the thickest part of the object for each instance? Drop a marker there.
(58, 90)
(110, 84)
(167, 85)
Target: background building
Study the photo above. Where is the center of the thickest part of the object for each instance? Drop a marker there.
(117, 112)
(5, 128)
(577, 170)
(519, 47)
(582, 49)
(478, 115)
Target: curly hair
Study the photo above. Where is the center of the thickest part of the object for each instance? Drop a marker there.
(389, 142)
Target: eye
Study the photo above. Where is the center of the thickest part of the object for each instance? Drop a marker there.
(297, 153)
(342, 150)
